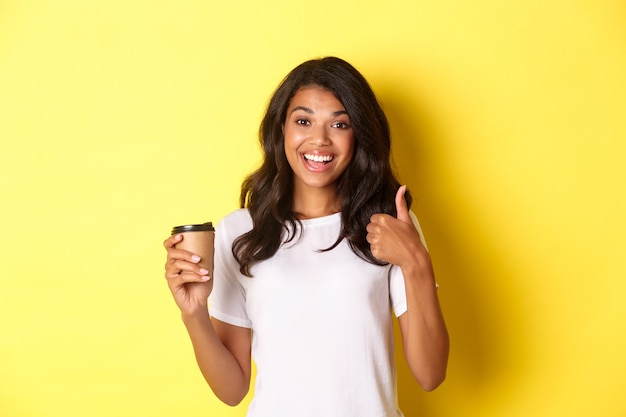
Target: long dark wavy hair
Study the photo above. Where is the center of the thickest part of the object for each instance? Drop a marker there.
(366, 187)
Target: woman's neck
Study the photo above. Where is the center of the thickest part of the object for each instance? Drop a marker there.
(315, 203)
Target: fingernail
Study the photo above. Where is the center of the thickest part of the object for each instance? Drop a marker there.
(206, 278)
(203, 271)
(195, 258)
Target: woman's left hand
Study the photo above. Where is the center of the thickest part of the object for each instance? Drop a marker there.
(395, 239)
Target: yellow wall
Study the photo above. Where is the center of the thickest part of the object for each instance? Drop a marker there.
(119, 119)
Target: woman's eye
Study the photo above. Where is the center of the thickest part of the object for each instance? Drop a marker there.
(341, 125)
(302, 122)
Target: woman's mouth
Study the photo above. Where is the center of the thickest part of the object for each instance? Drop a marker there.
(316, 162)
(318, 158)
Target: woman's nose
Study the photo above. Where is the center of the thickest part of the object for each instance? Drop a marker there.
(319, 136)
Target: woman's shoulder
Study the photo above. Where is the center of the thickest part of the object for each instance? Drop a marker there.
(236, 222)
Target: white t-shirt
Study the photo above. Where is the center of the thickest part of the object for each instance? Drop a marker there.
(322, 327)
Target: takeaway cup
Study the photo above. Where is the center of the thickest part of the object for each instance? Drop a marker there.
(198, 239)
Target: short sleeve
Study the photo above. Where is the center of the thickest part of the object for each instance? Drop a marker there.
(397, 291)
(416, 223)
(227, 301)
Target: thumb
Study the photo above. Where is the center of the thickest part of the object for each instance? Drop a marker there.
(401, 207)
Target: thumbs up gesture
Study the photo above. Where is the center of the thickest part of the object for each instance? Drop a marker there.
(395, 239)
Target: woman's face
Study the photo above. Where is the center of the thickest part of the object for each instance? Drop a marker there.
(319, 140)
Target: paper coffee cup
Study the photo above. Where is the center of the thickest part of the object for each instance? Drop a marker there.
(198, 239)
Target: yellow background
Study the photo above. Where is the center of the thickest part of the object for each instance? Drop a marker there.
(120, 119)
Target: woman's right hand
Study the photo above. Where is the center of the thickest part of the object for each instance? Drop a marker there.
(189, 283)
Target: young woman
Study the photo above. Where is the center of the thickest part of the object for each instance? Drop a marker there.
(308, 271)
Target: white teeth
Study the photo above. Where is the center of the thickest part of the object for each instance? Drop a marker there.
(318, 158)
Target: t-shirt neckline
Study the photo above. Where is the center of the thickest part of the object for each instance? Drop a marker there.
(331, 218)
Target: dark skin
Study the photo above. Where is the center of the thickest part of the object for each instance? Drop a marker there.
(316, 126)
(424, 334)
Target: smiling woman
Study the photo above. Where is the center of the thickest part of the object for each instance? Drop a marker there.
(324, 195)
(319, 143)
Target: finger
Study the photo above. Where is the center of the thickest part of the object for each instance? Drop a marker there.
(178, 266)
(202, 275)
(372, 228)
(177, 269)
(401, 206)
(377, 218)
(183, 255)
(185, 277)
(172, 241)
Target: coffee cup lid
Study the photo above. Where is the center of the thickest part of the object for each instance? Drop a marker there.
(204, 227)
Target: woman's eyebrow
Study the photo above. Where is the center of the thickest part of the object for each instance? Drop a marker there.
(310, 111)
(305, 109)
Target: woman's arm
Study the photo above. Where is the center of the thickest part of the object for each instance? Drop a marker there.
(424, 334)
(223, 356)
(222, 350)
